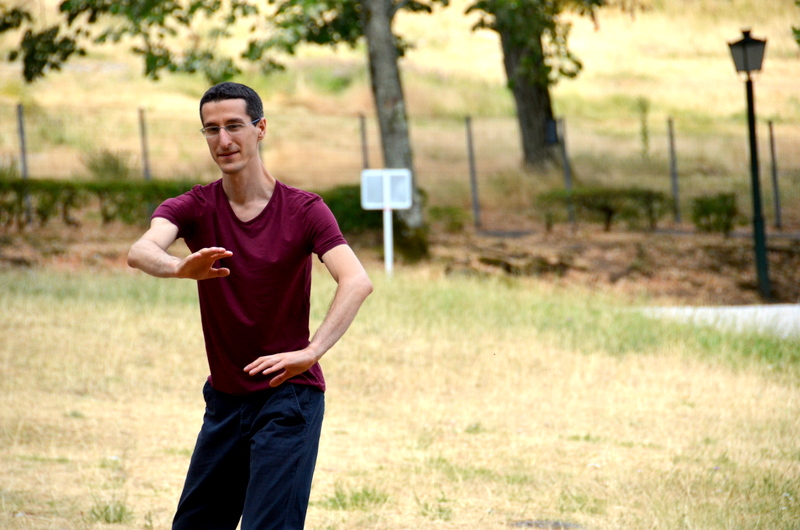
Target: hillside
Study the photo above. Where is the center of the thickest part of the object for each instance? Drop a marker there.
(674, 53)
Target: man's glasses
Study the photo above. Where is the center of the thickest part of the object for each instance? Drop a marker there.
(232, 128)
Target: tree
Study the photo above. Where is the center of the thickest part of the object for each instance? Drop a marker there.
(347, 21)
(167, 34)
(796, 30)
(534, 39)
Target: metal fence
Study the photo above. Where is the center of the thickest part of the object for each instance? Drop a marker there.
(674, 155)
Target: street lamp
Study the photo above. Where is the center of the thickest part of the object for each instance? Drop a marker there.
(748, 54)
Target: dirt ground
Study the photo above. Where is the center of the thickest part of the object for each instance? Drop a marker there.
(665, 267)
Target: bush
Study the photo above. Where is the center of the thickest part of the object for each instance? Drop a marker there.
(637, 206)
(345, 203)
(453, 218)
(44, 199)
(108, 165)
(716, 213)
(131, 201)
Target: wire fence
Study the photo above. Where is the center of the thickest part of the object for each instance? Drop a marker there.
(678, 156)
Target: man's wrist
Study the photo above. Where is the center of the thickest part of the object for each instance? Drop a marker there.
(316, 351)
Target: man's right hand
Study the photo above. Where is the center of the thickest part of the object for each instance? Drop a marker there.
(149, 254)
(200, 265)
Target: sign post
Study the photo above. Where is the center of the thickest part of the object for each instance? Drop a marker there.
(387, 190)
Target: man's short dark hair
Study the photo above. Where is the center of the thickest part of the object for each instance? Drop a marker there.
(229, 90)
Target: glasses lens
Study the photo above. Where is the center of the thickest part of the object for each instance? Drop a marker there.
(233, 128)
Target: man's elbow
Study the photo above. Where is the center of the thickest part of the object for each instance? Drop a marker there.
(363, 285)
(133, 256)
(131, 259)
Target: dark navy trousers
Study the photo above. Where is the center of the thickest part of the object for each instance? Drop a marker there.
(254, 460)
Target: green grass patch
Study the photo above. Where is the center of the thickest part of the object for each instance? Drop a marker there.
(357, 498)
(575, 320)
(110, 512)
(456, 473)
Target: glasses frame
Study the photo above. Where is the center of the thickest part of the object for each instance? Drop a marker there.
(218, 128)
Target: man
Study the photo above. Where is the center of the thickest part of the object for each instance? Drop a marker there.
(251, 238)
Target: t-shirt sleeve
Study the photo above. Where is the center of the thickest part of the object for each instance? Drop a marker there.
(324, 231)
(180, 211)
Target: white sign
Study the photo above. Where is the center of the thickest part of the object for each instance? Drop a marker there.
(386, 188)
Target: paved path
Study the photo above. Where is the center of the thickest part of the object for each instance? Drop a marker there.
(782, 320)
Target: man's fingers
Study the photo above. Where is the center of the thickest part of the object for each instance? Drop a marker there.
(213, 253)
(211, 258)
(198, 265)
(278, 379)
(257, 366)
(264, 366)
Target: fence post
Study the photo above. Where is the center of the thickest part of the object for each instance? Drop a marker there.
(473, 178)
(143, 138)
(561, 135)
(776, 195)
(364, 148)
(24, 160)
(673, 170)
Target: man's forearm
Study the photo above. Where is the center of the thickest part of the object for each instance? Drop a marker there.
(346, 303)
(148, 257)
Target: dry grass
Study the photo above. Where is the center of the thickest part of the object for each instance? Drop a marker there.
(453, 403)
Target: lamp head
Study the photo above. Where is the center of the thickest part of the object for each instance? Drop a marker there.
(748, 53)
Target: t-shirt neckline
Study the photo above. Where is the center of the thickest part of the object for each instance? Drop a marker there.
(259, 215)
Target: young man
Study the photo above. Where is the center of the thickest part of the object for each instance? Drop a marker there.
(251, 239)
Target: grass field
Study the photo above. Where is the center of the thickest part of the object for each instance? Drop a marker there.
(452, 403)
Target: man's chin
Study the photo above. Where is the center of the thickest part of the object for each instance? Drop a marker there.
(228, 166)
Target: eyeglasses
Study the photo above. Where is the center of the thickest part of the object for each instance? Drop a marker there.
(232, 128)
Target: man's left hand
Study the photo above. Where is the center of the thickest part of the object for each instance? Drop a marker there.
(284, 365)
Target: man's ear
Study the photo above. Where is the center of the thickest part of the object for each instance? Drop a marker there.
(262, 129)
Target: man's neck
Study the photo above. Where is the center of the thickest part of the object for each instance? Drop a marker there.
(246, 187)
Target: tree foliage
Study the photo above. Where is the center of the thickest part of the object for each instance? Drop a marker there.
(796, 29)
(537, 28)
(176, 36)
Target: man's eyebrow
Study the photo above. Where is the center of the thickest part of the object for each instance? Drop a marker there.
(227, 122)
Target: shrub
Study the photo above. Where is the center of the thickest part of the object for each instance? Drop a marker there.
(44, 199)
(453, 218)
(635, 205)
(715, 213)
(108, 165)
(345, 203)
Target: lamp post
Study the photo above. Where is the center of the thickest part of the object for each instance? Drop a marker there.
(748, 54)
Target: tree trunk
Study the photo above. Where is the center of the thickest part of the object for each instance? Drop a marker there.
(534, 107)
(393, 121)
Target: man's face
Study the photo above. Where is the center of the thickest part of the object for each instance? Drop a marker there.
(233, 152)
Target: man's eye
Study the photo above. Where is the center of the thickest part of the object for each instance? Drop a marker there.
(234, 127)
(212, 130)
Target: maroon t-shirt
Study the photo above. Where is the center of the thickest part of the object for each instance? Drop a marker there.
(263, 306)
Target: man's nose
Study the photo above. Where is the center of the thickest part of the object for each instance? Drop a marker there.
(225, 138)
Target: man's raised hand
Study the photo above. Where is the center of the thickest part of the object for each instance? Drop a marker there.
(200, 264)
